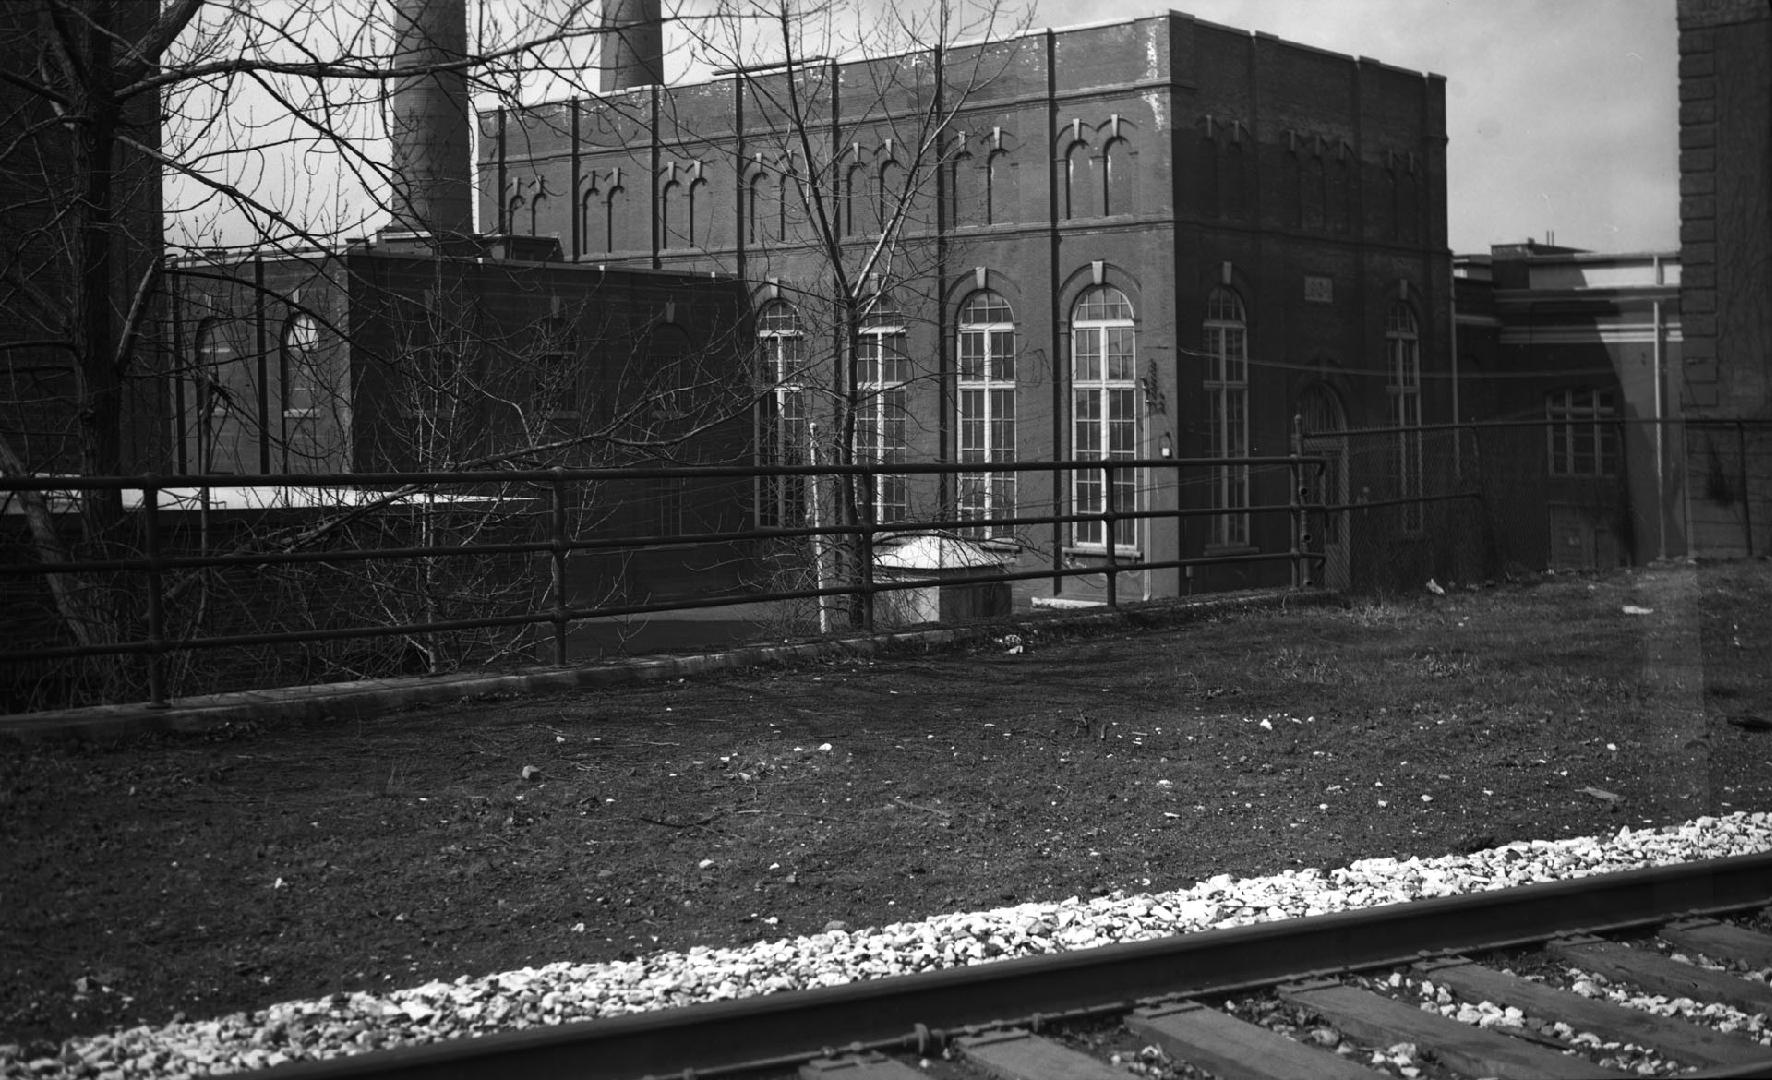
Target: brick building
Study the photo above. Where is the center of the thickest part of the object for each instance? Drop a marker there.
(1155, 238)
(392, 355)
(1726, 248)
(432, 348)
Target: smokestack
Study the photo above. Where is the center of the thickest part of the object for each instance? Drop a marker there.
(633, 49)
(428, 121)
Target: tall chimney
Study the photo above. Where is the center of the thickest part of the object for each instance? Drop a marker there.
(633, 49)
(428, 121)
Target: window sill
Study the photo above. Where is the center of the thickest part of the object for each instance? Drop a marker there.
(1002, 545)
(1099, 551)
(1216, 550)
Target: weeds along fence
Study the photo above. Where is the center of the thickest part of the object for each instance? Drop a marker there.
(200, 584)
(1474, 502)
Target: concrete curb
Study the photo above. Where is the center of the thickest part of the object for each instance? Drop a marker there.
(369, 697)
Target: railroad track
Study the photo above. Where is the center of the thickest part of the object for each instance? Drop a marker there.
(1018, 1019)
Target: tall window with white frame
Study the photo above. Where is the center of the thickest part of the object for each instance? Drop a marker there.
(1104, 413)
(987, 410)
(785, 438)
(1402, 342)
(883, 371)
(301, 379)
(1583, 432)
(301, 391)
(1227, 427)
(209, 400)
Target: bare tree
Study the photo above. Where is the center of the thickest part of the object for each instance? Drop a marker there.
(856, 123)
(261, 125)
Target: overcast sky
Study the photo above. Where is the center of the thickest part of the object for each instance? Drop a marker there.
(1562, 114)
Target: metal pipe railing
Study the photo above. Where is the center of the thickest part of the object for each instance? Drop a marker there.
(547, 504)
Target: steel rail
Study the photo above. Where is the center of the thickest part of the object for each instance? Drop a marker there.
(783, 1028)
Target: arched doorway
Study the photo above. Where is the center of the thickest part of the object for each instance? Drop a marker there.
(1321, 424)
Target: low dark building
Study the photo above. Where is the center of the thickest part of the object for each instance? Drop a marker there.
(389, 356)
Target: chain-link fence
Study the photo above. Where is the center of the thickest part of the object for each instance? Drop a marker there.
(1480, 502)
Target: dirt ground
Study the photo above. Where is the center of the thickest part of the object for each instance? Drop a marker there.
(209, 874)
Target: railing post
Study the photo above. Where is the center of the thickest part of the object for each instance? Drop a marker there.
(1747, 514)
(562, 618)
(1107, 525)
(1296, 501)
(156, 597)
(866, 554)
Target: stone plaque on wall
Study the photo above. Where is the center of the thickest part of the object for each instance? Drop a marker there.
(1318, 289)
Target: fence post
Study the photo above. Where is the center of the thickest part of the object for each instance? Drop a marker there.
(866, 554)
(1301, 573)
(562, 620)
(1107, 525)
(156, 598)
(1747, 502)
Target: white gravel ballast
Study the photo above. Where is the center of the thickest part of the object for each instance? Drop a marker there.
(562, 992)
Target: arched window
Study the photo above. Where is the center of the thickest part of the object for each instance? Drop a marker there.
(538, 208)
(786, 192)
(765, 209)
(614, 231)
(1226, 340)
(783, 437)
(213, 355)
(883, 370)
(1079, 181)
(754, 203)
(592, 225)
(694, 229)
(1116, 177)
(556, 372)
(669, 412)
(1211, 198)
(222, 396)
(986, 395)
(1402, 344)
(1408, 206)
(1291, 188)
(667, 208)
(1230, 181)
(1314, 194)
(891, 191)
(1320, 411)
(1105, 413)
(1337, 195)
(1393, 182)
(514, 212)
(997, 197)
(301, 377)
(854, 200)
(964, 198)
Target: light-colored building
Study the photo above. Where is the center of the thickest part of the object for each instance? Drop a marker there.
(1585, 348)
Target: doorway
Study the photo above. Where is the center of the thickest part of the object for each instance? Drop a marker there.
(1321, 423)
